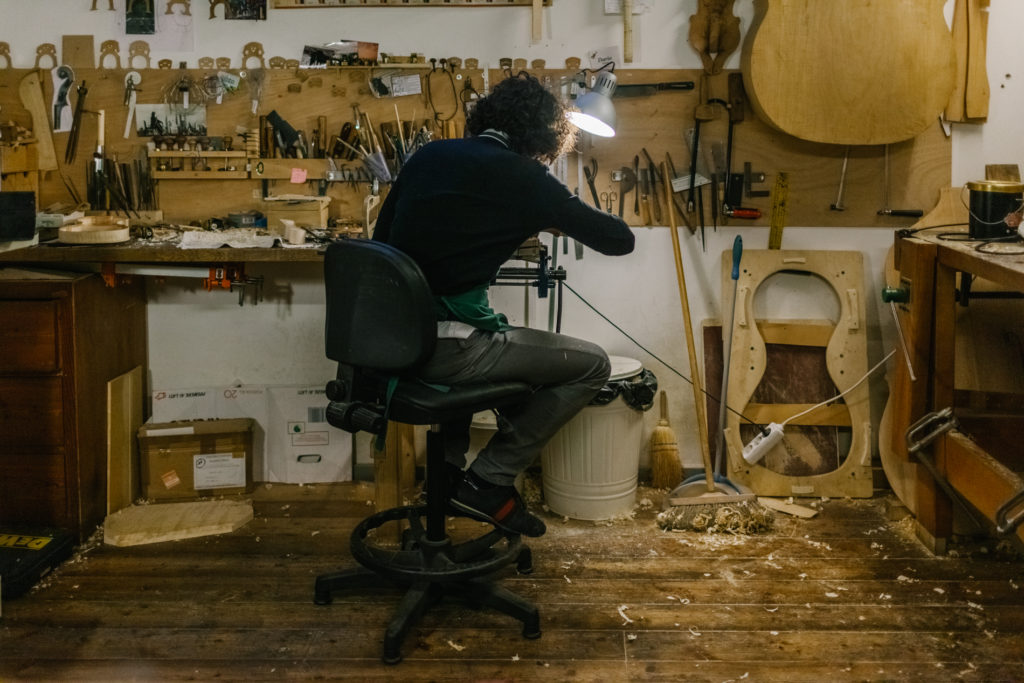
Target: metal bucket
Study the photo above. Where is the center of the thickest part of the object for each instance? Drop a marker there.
(991, 202)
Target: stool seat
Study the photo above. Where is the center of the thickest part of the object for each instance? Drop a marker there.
(417, 403)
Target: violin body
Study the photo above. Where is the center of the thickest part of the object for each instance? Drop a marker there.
(849, 72)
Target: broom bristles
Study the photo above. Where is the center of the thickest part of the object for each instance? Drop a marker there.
(666, 468)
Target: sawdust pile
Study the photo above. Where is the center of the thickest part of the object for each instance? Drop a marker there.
(746, 517)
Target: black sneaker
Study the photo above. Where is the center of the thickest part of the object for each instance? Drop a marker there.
(455, 474)
(499, 505)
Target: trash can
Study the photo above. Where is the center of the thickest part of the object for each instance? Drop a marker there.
(589, 468)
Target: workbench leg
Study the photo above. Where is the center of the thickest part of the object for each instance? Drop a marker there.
(935, 509)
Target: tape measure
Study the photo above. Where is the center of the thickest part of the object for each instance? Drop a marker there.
(780, 199)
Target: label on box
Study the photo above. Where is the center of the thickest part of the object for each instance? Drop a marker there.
(170, 479)
(305, 438)
(217, 471)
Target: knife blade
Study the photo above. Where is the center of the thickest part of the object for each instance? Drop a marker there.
(648, 89)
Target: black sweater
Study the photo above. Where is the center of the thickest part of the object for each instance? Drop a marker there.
(460, 208)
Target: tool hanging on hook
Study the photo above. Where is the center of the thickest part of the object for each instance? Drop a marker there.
(76, 124)
(885, 210)
(837, 205)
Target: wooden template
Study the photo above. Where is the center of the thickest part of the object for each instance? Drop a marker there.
(845, 358)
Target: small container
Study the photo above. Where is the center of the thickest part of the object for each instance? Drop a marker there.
(991, 202)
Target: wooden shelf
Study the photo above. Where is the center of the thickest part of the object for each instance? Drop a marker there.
(201, 175)
(191, 154)
(142, 252)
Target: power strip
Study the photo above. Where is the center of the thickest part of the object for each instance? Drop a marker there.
(762, 443)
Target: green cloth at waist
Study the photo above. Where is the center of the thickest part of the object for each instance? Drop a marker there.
(473, 308)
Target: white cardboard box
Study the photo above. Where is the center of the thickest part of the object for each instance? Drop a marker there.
(302, 447)
(173, 405)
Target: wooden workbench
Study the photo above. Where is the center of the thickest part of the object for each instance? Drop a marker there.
(981, 457)
(138, 251)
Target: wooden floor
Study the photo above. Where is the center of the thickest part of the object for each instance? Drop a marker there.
(844, 596)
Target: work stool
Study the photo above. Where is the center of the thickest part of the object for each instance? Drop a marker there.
(380, 328)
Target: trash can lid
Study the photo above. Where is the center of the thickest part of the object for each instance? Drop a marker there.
(623, 367)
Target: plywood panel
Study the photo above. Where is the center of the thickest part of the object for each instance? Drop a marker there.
(124, 417)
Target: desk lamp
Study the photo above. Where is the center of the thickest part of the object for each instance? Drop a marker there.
(594, 112)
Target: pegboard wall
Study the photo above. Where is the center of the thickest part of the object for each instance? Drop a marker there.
(649, 128)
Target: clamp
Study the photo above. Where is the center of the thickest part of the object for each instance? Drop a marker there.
(1010, 514)
(231, 276)
(921, 434)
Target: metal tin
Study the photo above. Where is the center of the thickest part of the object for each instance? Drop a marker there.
(990, 203)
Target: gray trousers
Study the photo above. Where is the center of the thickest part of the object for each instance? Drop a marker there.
(567, 373)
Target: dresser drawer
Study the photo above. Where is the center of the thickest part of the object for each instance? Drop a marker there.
(28, 337)
(32, 488)
(31, 413)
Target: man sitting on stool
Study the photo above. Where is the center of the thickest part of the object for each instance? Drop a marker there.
(460, 209)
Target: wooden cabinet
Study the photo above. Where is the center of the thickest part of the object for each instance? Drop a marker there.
(63, 336)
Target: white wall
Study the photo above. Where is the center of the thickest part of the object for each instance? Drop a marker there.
(200, 338)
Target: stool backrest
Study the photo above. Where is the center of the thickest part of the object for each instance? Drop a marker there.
(380, 312)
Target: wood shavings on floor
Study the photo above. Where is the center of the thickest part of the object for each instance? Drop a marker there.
(734, 518)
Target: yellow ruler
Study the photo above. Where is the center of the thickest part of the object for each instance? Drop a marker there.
(780, 199)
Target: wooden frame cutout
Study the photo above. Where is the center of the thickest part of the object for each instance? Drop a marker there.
(846, 361)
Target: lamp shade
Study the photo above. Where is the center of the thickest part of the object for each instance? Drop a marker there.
(594, 111)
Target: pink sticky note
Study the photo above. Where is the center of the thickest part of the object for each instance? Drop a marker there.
(298, 175)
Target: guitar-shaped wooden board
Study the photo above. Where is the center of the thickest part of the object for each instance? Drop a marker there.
(849, 72)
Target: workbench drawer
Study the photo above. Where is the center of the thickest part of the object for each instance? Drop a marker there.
(28, 337)
(32, 488)
(31, 413)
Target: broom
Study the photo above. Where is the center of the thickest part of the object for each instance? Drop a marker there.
(666, 469)
(707, 505)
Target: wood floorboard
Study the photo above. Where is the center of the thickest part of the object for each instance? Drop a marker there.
(846, 596)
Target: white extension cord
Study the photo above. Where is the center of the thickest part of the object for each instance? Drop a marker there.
(772, 435)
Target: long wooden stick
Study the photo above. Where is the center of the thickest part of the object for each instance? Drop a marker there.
(627, 31)
(698, 391)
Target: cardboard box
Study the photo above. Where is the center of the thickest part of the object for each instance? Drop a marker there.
(193, 459)
(172, 405)
(302, 448)
(248, 400)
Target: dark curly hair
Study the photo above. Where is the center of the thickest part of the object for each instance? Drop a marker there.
(533, 117)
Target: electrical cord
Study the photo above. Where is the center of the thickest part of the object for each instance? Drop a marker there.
(844, 393)
(652, 354)
(715, 398)
(430, 98)
(996, 246)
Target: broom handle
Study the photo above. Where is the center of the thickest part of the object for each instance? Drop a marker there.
(698, 393)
